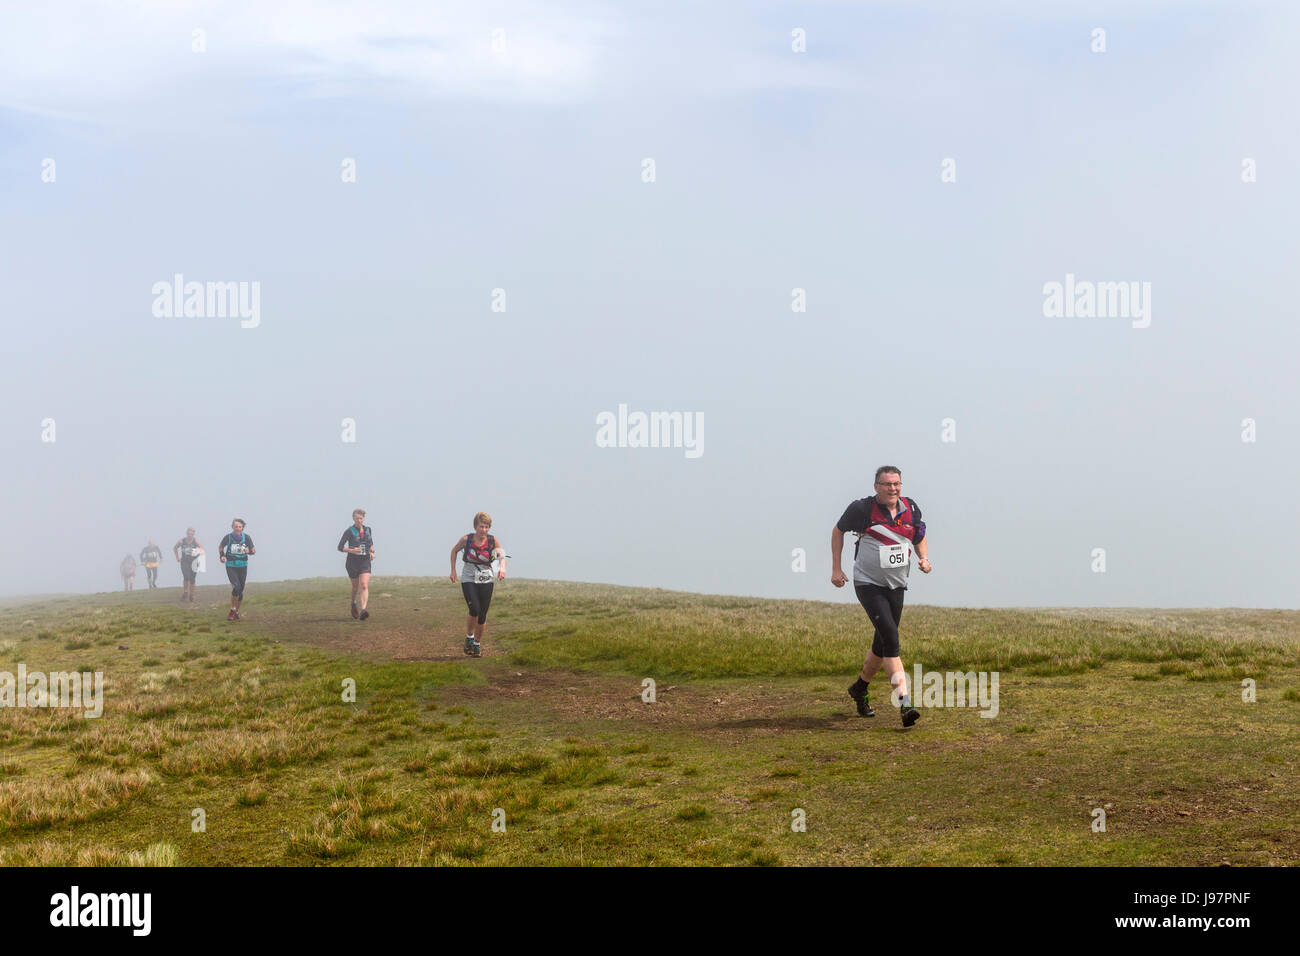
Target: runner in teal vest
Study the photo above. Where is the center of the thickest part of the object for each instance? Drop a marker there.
(358, 543)
(235, 549)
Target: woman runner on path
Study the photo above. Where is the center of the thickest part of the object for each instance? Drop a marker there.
(358, 543)
(235, 549)
(480, 550)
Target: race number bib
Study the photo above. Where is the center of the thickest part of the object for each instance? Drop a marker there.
(237, 549)
(894, 556)
(482, 575)
(361, 551)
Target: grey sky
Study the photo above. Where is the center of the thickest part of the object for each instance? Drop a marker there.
(522, 169)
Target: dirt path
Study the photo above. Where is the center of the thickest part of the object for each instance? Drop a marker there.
(396, 630)
(577, 697)
(433, 631)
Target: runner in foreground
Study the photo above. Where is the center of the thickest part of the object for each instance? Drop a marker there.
(235, 549)
(891, 529)
(186, 551)
(151, 557)
(480, 550)
(358, 543)
(127, 567)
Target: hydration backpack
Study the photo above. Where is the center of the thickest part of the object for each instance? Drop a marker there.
(871, 507)
(475, 555)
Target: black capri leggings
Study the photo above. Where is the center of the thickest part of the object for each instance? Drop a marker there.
(478, 597)
(238, 578)
(885, 608)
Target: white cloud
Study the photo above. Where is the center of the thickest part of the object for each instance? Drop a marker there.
(102, 62)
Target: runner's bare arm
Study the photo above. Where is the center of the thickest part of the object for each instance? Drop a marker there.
(838, 578)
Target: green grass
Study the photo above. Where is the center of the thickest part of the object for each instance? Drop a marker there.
(1140, 712)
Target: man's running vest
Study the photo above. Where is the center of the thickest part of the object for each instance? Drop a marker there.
(900, 524)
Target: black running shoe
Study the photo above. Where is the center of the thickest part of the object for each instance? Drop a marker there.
(364, 615)
(910, 716)
(864, 707)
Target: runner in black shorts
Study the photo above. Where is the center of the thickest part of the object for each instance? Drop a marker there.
(235, 549)
(480, 549)
(890, 530)
(186, 551)
(358, 543)
(151, 557)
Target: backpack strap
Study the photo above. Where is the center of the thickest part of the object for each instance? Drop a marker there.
(490, 544)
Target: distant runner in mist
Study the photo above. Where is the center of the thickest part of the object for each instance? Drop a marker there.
(358, 543)
(128, 573)
(890, 529)
(480, 550)
(151, 557)
(235, 549)
(187, 551)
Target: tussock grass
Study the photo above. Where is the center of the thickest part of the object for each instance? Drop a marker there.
(361, 810)
(35, 802)
(578, 772)
(484, 766)
(57, 853)
(254, 795)
(138, 740)
(239, 751)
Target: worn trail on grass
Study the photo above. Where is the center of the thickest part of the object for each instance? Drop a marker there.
(431, 628)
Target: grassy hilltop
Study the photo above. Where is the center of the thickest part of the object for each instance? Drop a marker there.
(1138, 712)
